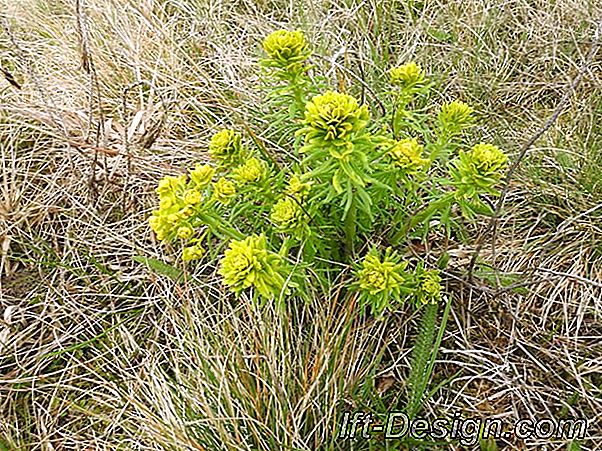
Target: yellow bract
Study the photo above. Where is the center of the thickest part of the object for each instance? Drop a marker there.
(407, 75)
(176, 201)
(455, 116)
(298, 188)
(192, 196)
(192, 253)
(168, 185)
(479, 169)
(376, 276)
(286, 47)
(225, 148)
(202, 174)
(252, 171)
(429, 288)
(407, 155)
(185, 232)
(487, 159)
(224, 190)
(333, 117)
(249, 263)
(287, 215)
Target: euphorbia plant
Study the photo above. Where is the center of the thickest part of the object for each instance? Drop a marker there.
(347, 195)
(351, 178)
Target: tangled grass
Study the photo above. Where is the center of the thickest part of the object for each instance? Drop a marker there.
(99, 351)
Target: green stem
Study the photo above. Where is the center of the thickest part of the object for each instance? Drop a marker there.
(298, 95)
(350, 227)
(286, 245)
(439, 338)
(218, 227)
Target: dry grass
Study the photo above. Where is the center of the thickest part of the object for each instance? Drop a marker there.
(98, 352)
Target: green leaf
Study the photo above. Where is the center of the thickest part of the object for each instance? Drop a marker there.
(348, 199)
(336, 182)
(481, 208)
(488, 444)
(443, 260)
(159, 267)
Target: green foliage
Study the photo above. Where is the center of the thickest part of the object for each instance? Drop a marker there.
(159, 267)
(347, 178)
(421, 356)
(381, 281)
(249, 263)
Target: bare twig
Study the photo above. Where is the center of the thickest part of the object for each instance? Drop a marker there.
(49, 105)
(493, 222)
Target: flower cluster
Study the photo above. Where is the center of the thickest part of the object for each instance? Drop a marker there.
(336, 142)
(194, 252)
(288, 217)
(332, 118)
(381, 280)
(178, 199)
(286, 48)
(407, 155)
(252, 171)
(249, 263)
(201, 175)
(298, 188)
(455, 116)
(407, 76)
(226, 148)
(325, 179)
(428, 286)
(224, 190)
(479, 169)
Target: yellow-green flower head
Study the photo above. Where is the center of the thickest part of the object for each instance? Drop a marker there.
(488, 159)
(332, 118)
(407, 155)
(202, 174)
(484, 160)
(479, 169)
(160, 223)
(252, 171)
(376, 276)
(455, 116)
(192, 196)
(173, 218)
(429, 287)
(407, 75)
(224, 190)
(288, 216)
(298, 188)
(195, 252)
(184, 232)
(286, 47)
(225, 148)
(172, 207)
(169, 185)
(155, 224)
(249, 263)
(179, 198)
(166, 202)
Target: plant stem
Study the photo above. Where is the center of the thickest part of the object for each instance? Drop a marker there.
(350, 227)
(217, 226)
